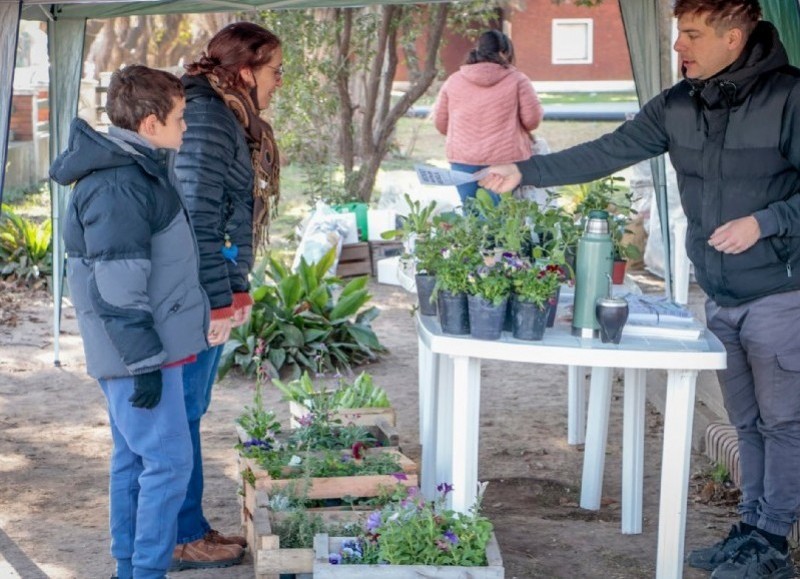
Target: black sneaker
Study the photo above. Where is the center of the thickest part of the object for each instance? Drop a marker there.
(756, 559)
(712, 557)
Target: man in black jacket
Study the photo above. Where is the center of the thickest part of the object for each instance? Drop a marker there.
(732, 129)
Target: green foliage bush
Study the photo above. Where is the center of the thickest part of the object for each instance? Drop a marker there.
(304, 321)
(25, 247)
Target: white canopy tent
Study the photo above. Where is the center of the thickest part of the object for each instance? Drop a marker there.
(66, 23)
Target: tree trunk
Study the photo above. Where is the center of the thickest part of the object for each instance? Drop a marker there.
(385, 124)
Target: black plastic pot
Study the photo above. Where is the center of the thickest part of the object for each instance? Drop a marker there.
(529, 321)
(486, 319)
(552, 307)
(453, 313)
(425, 285)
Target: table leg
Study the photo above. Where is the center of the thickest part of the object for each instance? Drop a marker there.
(442, 417)
(633, 450)
(576, 404)
(678, 418)
(428, 406)
(594, 458)
(466, 406)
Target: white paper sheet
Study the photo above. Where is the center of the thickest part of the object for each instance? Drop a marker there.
(430, 175)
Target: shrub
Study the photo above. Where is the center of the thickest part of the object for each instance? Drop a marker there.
(25, 247)
(304, 323)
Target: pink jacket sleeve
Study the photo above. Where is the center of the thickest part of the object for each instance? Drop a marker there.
(530, 109)
(440, 112)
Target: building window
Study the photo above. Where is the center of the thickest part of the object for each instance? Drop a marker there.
(572, 40)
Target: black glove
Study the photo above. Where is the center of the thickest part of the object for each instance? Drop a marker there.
(146, 390)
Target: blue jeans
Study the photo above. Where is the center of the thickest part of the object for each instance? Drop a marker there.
(468, 190)
(150, 466)
(761, 390)
(198, 378)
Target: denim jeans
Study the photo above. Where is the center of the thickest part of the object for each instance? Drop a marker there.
(198, 378)
(468, 190)
(150, 466)
(761, 391)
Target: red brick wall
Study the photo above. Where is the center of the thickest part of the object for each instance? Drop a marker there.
(22, 117)
(531, 32)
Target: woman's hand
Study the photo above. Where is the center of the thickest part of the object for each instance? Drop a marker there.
(219, 331)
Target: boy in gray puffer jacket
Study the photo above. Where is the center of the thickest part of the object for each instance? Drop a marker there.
(133, 274)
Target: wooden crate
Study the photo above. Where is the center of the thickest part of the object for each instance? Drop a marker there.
(336, 487)
(379, 250)
(269, 559)
(325, 545)
(384, 418)
(354, 260)
(333, 487)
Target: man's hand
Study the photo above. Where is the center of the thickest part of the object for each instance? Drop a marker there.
(736, 236)
(241, 315)
(501, 178)
(146, 390)
(219, 331)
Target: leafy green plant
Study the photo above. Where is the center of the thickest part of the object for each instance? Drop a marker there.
(490, 282)
(417, 532)
(361, 393)
(25, 247)
(537, 285)
(306, 321)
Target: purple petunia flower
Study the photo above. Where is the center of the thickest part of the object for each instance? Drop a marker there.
(444, 488)
(400, 476)
(334, 558)
(451, 536)
(373, 521)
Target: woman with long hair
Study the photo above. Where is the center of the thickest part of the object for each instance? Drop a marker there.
(228, 168)
(487, 110)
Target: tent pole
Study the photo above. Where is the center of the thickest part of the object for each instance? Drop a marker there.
(65, 49)
(9, 20)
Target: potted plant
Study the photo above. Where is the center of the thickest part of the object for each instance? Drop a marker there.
(413, 538)
(452, 285)
(624, 251)
(488, 292)
(535, 290)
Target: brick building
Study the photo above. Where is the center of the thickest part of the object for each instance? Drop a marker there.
(560, 44)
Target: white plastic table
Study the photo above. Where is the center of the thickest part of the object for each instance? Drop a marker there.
(449, 374)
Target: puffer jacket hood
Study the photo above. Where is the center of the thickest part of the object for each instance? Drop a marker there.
(486, 73)
(89, 151)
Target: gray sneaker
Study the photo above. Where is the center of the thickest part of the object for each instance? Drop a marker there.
(756, 559)
(712, 557)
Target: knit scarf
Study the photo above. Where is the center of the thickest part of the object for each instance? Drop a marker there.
(264, 156)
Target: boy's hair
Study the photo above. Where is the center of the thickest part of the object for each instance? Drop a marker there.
(136, 92)
(723, 14)
(238, 45)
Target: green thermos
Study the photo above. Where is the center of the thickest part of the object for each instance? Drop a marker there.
(593, 265)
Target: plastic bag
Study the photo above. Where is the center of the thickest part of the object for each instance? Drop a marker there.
(324, 230)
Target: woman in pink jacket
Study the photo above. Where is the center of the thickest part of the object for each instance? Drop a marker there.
(487, 110)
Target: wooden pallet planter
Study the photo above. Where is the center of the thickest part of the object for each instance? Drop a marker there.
(337, 487)
(385, 418)
(269, 559)
(325, 545)
(334, 487)
(354, 260)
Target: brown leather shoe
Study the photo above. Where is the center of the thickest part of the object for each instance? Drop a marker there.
(217, 537)
(205, 554)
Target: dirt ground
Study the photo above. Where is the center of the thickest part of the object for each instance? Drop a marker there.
(55, 442)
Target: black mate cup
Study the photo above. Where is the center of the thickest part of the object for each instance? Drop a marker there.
(612, 313)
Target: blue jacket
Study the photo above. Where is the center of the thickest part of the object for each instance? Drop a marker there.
(216, 175)
(735, 143)
(132, 262)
